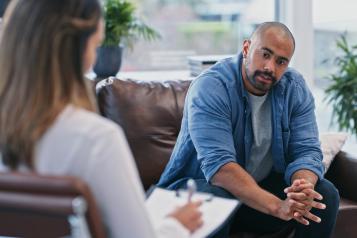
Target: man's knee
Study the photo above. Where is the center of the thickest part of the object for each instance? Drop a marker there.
(329, 192)
(331, 199)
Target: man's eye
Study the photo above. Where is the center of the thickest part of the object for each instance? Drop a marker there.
(266, 55)
(282, 62)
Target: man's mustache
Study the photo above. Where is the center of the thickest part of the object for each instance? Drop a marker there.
(265, 74)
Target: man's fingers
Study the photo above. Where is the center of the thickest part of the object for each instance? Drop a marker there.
(300, 214)
(299, 218)
(318, 205)
(307, 204)
(312, 217)
(297, 205)
(305, 194)
(297, 188)
(297, 182)
(297, 196)
(312, 194)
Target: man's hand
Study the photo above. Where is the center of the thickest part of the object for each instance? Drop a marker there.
(287, 208)
(302, 191)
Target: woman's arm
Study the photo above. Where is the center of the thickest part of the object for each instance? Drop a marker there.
(115, 183)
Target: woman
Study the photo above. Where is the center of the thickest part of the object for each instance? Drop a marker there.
(47, 119)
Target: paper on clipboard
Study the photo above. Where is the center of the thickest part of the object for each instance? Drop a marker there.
(215, 210)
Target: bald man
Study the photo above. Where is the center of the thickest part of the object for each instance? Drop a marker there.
(249, 132)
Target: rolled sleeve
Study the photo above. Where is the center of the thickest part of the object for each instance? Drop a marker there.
(304, 150)
(306, 164)
(210, 124)
(211, 169)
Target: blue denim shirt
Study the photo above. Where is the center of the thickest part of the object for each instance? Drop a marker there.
(216, 126)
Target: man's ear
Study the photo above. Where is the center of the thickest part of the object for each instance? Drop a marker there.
(245, 49)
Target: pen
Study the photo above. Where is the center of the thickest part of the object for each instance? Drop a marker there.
(191, 188)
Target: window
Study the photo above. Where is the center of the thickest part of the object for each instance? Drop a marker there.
(194, 27)
(331, 20)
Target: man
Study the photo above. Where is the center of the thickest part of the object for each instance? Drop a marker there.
(249, 131)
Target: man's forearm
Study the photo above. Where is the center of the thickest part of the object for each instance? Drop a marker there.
(237, 181)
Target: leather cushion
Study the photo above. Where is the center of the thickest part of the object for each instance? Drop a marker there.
(150, 114)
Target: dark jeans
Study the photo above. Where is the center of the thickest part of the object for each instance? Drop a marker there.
(251, 220)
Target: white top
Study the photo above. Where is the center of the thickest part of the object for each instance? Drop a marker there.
(86, 145)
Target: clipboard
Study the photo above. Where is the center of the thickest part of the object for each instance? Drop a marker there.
(216, 211)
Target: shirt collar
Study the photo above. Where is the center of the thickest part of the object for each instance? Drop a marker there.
(243, 92)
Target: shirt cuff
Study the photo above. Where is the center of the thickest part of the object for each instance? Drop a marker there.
(315, 169)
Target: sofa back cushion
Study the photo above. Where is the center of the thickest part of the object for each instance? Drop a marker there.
(150, 114)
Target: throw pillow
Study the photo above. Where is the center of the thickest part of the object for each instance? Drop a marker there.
(331, 144)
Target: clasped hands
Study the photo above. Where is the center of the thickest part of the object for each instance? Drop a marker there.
(301, 198)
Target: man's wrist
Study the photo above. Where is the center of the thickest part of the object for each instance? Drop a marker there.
(305, 174)
(274, 206)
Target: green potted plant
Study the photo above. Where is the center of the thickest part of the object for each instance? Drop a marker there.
(122, 29)
(342, 93)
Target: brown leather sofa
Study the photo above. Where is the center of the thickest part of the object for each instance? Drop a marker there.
(150, 114)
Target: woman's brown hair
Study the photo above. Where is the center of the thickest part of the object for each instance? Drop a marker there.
(41, 64)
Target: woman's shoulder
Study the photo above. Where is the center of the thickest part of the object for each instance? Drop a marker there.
(75, 136)
(80, 122)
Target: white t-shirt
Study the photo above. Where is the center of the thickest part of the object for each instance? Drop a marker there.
(86, 145)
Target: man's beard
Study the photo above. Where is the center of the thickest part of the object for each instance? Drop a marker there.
(265, 87)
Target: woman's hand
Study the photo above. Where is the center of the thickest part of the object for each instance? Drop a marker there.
(189, 215)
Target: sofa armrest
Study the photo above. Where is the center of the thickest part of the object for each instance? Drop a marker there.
(343, 174)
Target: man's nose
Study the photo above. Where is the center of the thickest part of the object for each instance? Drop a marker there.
(269, 66)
